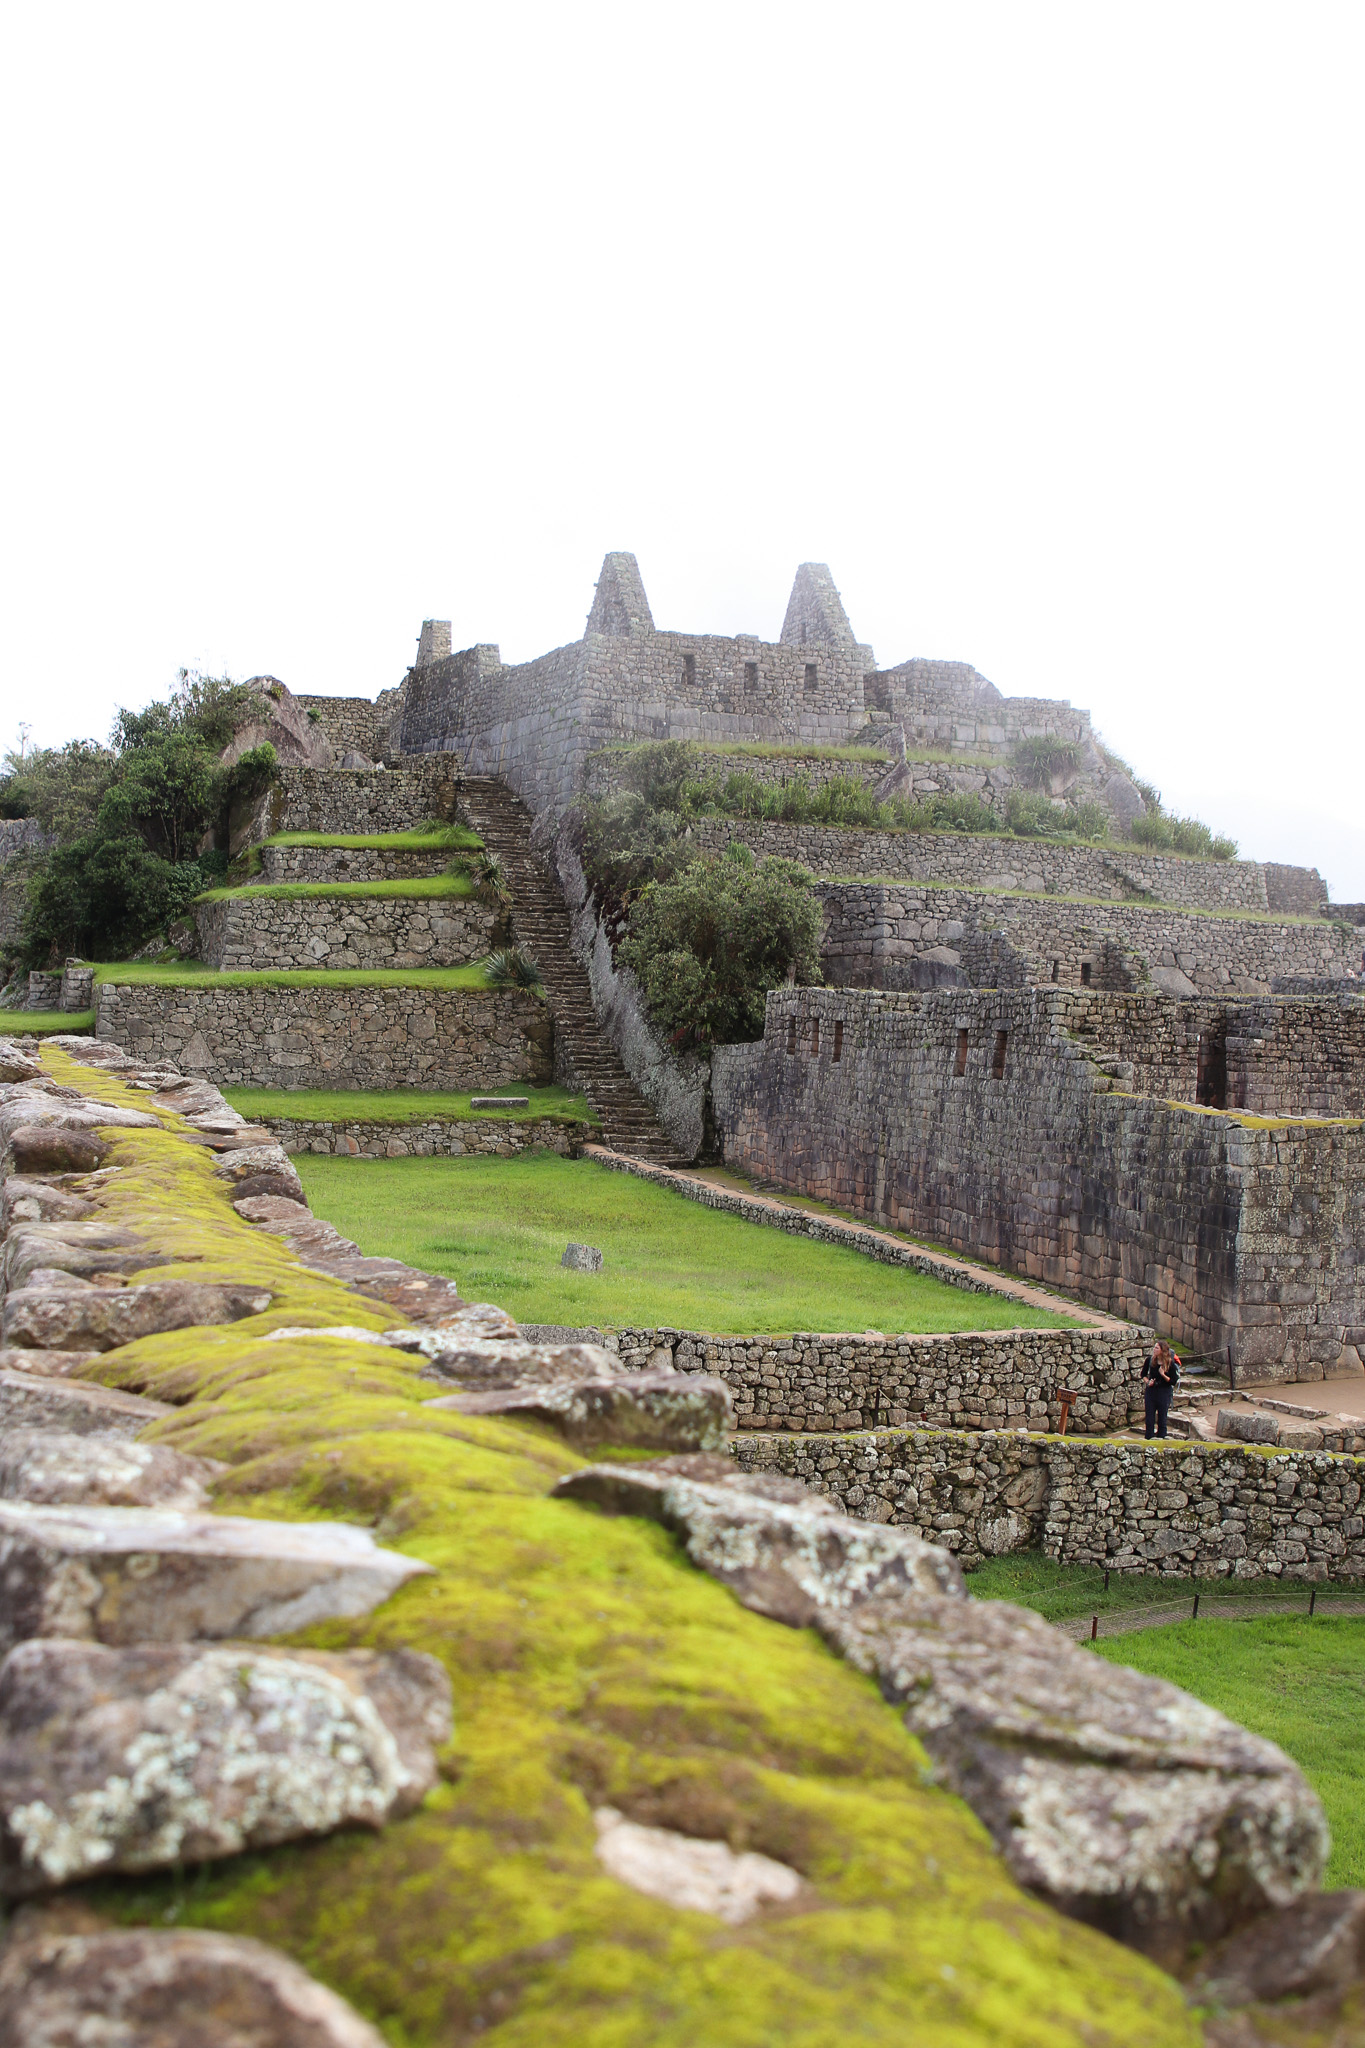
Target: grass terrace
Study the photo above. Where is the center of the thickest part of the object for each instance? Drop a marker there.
(189, 974)
(499, 1227)
(407, 1105)
(14, 1023)
(421, 839)
(421, 885)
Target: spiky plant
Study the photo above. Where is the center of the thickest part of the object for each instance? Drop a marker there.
(513, 967)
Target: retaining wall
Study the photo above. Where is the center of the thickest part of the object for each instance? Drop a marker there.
(345, 931)
(446, 1136)
(984, 861)
(368, 1037)
(358, 800)
(978, 1380)
(349, 864)
(875, 934)
(1214, 1512)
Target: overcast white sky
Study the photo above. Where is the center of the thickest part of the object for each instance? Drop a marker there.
(1040, 323)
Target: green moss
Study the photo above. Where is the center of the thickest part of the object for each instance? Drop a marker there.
(408, 1105)
(590, 1663)
(45, 1023)
(419, 885)
(187, 974)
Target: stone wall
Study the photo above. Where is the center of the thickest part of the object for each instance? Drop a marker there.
(991, 1122)
(607, 771)
(976, 1380)
(443, 1136)
(23, 842)
(984, 861)
(875, 932)
(345, 721)
(358, 800)
(245, 932)
(1213, 1512)
(350, 864)
(1295, 889)
(381, 1036)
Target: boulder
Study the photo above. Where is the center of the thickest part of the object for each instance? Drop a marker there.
(271, 1209)
(483, 1364)
(188, 1096)
(1314, 1947)
(1171, 981)
(142, 1987)
(652, 1411)
(44, 1148)
(68, 1110)
(781, 1550)
(129, 1575)
(82, 1248)
(135, 1759)
(47, 1364)
(1122, 1800)
(245, 1162)
(60, 1468)
(279, 718)
(99, 1318)
(278, 1187)
(582, 1258)
(39, 1201)
(697, 1876)
(34, 1401)
(16, 1065)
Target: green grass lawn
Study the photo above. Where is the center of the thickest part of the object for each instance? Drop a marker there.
(422, 839)
(403, 1105)
(417, 885)
(1061, 1592)
(189, 974)
(1300, 1682)
(499, 1227)
(13, 1023)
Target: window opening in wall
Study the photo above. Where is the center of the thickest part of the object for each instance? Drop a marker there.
(791, 1034)
(1211, 1084)
(960, 1063)
(751, 675)
(812, 678)
(814, 1036)
(689, 669)
(1002, 1039)
(1056, 969)
(1085, 974)
(838, 1051)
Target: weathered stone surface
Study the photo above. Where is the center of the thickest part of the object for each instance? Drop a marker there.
(271, 1208)
(65, 1987)
(136, 1758)
(582, 1258)
(16, 1065)
(246, 1161)
(66, 1109)
(44, 1148)
(1123, 1800)
(1315, 1946)
(695, 1875)
(82, 1248)
(129, 1575)
(273, 1187)
(59, 1468)
(33, 1201)
(47, 1364)
(784, 1552)
(651, 1411)
(98, 1319)
(483, 1364)
(39, 1401)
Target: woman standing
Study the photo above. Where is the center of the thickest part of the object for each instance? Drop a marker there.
(1159, 1378)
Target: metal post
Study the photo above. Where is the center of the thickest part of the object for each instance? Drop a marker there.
(1312, 1600)
(1106, 1579)
(1094, 1626)
(1195, 1615)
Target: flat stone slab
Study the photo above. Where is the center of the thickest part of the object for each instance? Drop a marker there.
(483, 1365)
(500, 1102)
(695, 1875)
(153, 1987)
(663, 1411)
(58, 1468)
(82, 1248)
(34, 1401)
(156, 1575)
(135, 1759)
(101, 1318)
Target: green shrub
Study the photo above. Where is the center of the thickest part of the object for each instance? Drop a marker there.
(946, 812)
(1037, 760)
(1031, 815)
(1180, 835)
(709, 944)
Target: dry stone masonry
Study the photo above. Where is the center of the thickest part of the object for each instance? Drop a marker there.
(247, 931)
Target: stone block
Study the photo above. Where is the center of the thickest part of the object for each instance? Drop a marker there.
(582, 1258)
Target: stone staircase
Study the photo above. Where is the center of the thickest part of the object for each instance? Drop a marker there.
(540, 922)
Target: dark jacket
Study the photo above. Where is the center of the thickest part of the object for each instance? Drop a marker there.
(1160, 1376)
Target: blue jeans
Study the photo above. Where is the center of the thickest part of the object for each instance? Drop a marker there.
(1156, 1406)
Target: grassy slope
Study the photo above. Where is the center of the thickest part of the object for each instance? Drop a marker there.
(404, 1105)
(1300, 1682)
(500, 1227)
(423, 839)
(188, 974)
(417, 885)
(13, 1023)
(590, 1663)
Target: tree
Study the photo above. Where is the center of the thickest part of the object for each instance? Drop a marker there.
(709, 944)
